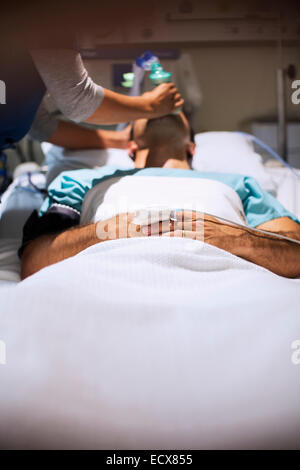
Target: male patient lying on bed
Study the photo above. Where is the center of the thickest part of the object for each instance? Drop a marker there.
(85, 207)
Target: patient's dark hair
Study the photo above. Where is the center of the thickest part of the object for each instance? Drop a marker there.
(166, 129)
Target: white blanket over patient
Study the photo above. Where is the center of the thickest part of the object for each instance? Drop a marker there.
(151, 343)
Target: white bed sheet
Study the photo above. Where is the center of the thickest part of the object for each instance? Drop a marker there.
(169, 344)
(17, 204)
(287, 187)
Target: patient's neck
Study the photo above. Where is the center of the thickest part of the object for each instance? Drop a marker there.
(165, 157)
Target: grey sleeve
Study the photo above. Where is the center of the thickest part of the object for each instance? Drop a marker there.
(68, 82)
(44, 124)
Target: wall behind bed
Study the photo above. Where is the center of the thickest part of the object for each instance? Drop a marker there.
(235, 49)
(233, 45)
(238, 82)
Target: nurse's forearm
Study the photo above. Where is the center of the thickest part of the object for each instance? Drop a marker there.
(116, 108)
(72, 136)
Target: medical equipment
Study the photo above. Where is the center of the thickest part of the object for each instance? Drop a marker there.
(159, 75)
(268, 149)
(35, 187)
(128, 80)
(133, 80)
(282, 73)
(162, 214)
(186, 79)
(140, 65)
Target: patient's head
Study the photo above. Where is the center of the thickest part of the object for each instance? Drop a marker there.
(165, 141)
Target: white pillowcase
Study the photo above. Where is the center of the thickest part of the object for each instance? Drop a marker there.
(222, 152)
(230, 152)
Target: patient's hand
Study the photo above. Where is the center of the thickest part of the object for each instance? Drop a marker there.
(197, 226)
(119, 226)
(189, 224)
(278, 255)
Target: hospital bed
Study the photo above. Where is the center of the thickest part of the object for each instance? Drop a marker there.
(150, 343)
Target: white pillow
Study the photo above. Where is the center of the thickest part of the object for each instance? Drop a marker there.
(222, 152)
(230, 152)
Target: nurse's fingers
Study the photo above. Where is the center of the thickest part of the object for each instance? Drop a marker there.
(172, 88)
(179, 103)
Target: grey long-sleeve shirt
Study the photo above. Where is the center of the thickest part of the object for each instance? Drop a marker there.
(69, 84)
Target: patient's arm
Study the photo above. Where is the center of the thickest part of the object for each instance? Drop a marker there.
(280, 256)
(72, 136)
(52, 248)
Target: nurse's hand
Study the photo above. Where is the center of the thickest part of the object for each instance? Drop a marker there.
(162, 100)
(116, 107)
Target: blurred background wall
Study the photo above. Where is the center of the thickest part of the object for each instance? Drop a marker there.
(234, 48)
(238, 82)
